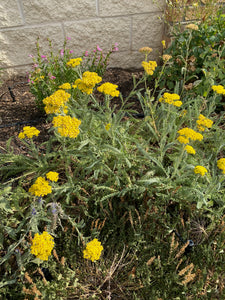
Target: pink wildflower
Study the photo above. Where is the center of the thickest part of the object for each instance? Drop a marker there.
(71, 51)
(115, 48)
(62, 52)
(68, 38)
(86, 53)
(43, 56)
(98, 48)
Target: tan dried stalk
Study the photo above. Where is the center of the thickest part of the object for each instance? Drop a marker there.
(182, 250)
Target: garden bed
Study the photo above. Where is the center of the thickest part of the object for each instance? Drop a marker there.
(18, 108)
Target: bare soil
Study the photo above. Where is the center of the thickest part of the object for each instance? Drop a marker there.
(18, 108)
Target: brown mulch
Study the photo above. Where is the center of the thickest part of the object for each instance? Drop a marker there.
(18, 108)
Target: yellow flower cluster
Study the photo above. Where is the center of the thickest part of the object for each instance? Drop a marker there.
(67, 126)
(221, 164)
(53, 176)
(109, 89)
(173, 99)
(28, 132)
(192, 26)
(65, 86)
(42, 245)
(149, 67)
(200, 170)
(189, 149)
(88, 82)
(40, 188)
(93, 250)
(187, 133)
(145, 50)
(219, 89)
(73, 62)
(56, 101)
(108, 126)
(203, 123)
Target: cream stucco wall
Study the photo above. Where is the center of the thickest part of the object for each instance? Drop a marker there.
(130, 23)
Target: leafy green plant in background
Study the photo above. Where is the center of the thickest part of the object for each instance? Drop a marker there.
(52, 70)
(197, 60)
(124, 207)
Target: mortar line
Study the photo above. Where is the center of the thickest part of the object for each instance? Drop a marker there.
(97, 7)
(63, 31)
(131, 32)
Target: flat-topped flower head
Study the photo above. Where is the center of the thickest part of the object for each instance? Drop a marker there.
(182, 139)
(73, 62)
(149, 67)
(189, 149)
(93, 250)
(56, 102)
(221, 164)
(200, 170)
(42, 245)
(145, 50)
(173, 99)
(203, 123)
(52, 176)
(40, 188)
(219, 89)
(108, 88)
(166, 57)
(28, 132)
(189, 133)
(67, 126)
(88, 82)
(65, 86)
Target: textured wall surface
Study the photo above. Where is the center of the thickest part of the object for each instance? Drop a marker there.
(132, 24)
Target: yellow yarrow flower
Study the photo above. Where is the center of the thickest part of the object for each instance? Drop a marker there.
(73, 62)
(221, 164)
(109, 89)
(200, 170)
(183, 140)
(203, 123)
(42, 245)
(65, 86)
(190, 134)
(28, 132)
(149, 67)
(93, 250)
(108, 126)
(189, 149)
(53, 176)
(56, 102)
(88, 82)
(40, 188)
(67, 126)
(173, 99)
(219, 89)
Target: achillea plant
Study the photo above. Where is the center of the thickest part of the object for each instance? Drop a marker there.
(42, 245)
(93, 250)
